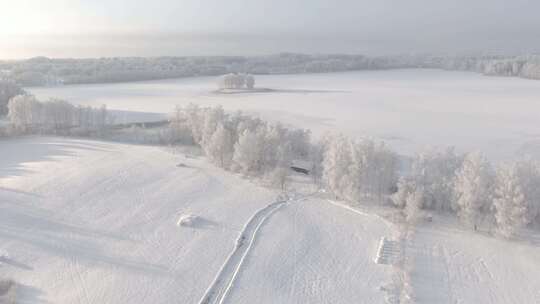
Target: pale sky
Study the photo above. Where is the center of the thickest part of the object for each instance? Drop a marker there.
(86, 28)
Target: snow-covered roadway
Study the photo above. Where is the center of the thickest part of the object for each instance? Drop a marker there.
(224, 281)
(315, 252)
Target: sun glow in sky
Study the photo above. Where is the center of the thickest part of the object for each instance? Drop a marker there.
(82, 28)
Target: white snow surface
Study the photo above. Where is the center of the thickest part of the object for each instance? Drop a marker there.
(95, 222)
(454, 265)
(410, 109)
(315, 252)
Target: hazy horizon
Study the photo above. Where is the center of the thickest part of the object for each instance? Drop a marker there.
(170, 44)
(62, 28)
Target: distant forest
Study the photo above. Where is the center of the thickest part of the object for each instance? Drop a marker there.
(43, 71)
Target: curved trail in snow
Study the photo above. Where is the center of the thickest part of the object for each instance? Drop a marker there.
(224, 281)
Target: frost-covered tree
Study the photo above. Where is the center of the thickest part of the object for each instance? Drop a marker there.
(278, 177)
(354, 184)
(236, 81)
(474, 188)
(337, 159)
(284, 155)
(274, 137)
(179, 130)
(24, 112)
(382, 168)
(249, 151)
(8, 90)
(219, 148)
(358, 169)
(509, 202)
(434, 171)
(405, 187)
(27, 114)
(413, 205)
(250, 81)
(316, 159)
(211, 118)
(101, 117)
(529, 175)
(58, 114)
(239, 81)
(195, 120)
(300, 140)
(371, 172)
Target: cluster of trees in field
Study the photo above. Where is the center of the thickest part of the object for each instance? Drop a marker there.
(350, 169)
(241, 143)
(468, 186)
(356, 169)
(236, 81)
(26, 114)
(41, 71)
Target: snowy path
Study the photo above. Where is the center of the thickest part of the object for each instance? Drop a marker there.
(314, 252)
(224, 281)
(453, 265)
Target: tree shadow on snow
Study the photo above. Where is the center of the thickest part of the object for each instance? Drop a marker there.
(13, 263)
(203, 223)
(26, 294)
(39, 230)
(14, 153)
(19, 192)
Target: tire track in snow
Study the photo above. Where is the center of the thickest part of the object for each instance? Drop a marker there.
(393, 294)
(77, 276)
(224, 281)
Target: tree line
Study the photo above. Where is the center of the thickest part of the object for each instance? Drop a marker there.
(27, 115)
(505, 198)
(41, 71)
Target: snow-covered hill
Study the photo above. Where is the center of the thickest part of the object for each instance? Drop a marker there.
(96, 222)
(93, 222)
(85, 221)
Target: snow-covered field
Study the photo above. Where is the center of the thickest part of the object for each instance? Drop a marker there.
(316, 252)
(453, 265)
(408, 108)
(85, 221)
(96, 222)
